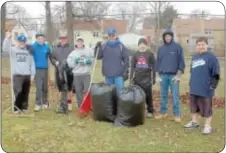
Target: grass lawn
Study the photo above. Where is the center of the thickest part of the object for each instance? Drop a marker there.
(48, 132)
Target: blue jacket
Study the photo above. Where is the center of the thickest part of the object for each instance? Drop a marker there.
(204, 67)
(41, 54)
(170, 56)
(115, 59)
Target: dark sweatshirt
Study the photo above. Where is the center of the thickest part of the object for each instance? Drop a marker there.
(204, 69)
(115, 59)
(170, 57)
(143, 67)
(61, 53)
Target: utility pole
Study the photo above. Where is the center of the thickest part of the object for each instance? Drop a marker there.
(48, 23)
(3, 21)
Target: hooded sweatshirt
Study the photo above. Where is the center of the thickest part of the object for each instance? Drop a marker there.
(170, 56)
(41, 54)
(21, 59)
(115, 59)
(81, 54)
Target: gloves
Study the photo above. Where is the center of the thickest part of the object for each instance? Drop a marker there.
(176, 78)
(87, 61)
(131, 82)
(76, 60)
(57, 63)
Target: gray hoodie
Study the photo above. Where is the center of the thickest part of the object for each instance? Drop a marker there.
(22, 62)
(80, 68)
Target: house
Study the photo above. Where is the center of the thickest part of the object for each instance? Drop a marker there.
(17, 28)
(130, 40)
(187, 31)
(94, 31)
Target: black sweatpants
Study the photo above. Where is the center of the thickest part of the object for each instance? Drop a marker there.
(149, 99)
(21, 88)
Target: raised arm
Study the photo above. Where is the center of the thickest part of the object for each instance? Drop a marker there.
(7, 43)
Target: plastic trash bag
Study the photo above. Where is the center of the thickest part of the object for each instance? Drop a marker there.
(103, 102)
(130, 107)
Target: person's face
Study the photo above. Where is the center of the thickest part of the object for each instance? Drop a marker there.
(201, 46)
(111, 38)
(168, 38)
(21, 44)
(80, 43)
(40, 39)
(142, 47)
(63, 41)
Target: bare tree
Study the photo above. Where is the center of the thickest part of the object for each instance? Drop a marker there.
(69, 22)
(157, 8)
(131, 11)
(3, 21)
(48, 23)
(91, 10)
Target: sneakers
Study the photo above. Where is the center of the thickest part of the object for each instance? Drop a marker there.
(191, 124)
(37, 108)
(24, 110)
(45, 106)
(150, 115)
(161, 116)
(207, 130)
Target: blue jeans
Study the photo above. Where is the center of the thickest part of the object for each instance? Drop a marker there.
(117, 81)
(174, 87)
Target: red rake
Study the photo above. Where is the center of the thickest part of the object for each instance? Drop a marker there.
(85, 107)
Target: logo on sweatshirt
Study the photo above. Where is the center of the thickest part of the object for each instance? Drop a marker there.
(21, 57)
(141, 62)
(197, 63)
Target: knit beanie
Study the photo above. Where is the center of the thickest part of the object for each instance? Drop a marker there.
(142, 40)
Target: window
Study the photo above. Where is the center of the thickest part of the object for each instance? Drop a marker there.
(95, 34)
(208, 32)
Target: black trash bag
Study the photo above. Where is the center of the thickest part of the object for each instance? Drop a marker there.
(130, 107)
(103, 102)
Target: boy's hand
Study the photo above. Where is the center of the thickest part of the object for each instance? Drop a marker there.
(87, 61)
(8, 35)
(176, 79)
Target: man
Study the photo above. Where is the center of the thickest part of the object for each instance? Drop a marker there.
(170, 65)
(205, 75)
(80, 61)
(143, 72)
(41, 52)
(23, 69)
(60, 55)
(115, 59)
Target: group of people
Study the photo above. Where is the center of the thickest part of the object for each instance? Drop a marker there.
(145, 70)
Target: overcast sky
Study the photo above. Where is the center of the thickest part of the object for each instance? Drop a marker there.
(35, 9)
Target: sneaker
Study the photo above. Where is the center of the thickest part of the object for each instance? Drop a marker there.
(150, 115)
(24, 110)
(16, 112)
(37, 108)
(45, 106)
(161, 116)
(191, 124)
(177, 119)
(207, 130)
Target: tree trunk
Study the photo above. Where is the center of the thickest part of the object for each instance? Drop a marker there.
(48, 23)
(69, 22)
(3, 22)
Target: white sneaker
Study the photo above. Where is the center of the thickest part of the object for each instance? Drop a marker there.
(207, 130)
(25, 110)
(37, 108)
(45, 106)
(16, 112)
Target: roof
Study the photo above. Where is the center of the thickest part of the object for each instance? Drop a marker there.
(10, 23)
(119, 25)
(187, 26)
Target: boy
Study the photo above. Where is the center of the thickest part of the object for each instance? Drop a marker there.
(23, 69)
(80, 60)
(143, 72)
(41, 52)
(205, 74)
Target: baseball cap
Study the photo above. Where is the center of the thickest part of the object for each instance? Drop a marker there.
(79, 38)
(39, 34)
(111, 31)
(22, 38)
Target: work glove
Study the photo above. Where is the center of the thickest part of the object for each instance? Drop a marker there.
(57, 63)
(176, 78)
(76, 60)
(87, 62)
